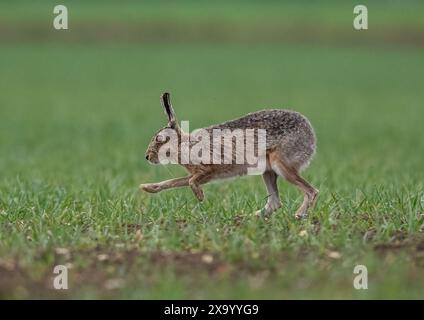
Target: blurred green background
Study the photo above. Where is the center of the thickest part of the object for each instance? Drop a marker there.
(79, 106)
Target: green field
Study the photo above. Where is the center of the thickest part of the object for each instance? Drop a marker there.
(78, 110)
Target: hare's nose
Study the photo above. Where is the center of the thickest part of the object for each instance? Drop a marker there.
(147, 157)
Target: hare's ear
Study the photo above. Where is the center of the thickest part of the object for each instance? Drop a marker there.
(166, 102)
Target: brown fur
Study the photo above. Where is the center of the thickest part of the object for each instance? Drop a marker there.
(290, 145)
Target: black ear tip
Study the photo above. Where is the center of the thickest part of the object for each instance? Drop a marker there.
(165, 95)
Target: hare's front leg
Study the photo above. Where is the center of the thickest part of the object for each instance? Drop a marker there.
(167, 184)
(195, 183)
(273, 203)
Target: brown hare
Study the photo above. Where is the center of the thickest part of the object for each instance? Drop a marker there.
(290, 145)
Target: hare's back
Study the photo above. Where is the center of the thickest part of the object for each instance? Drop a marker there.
(287, 131)
(278, 123)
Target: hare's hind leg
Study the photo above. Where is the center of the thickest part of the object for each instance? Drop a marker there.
(292, 175)
(273, 203)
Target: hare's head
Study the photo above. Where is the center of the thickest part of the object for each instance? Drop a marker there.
(163, 135)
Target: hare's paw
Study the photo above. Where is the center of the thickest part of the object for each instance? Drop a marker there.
(301, 214)
(260, 213)
(198, 192)
(150, 187)
(267, 210)
(263, 214)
